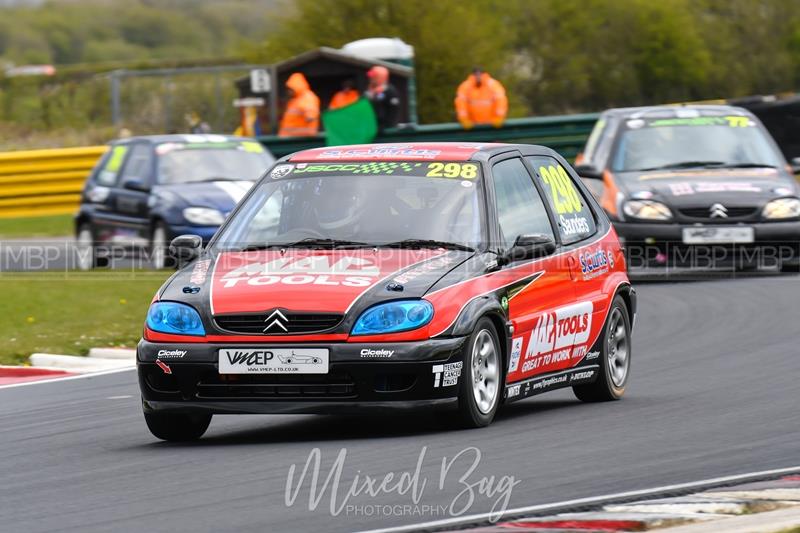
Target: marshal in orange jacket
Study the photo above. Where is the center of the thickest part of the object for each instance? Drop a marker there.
(481, 102)
(301, 118)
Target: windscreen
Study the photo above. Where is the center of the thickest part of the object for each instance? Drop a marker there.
(374, 203)
(652, 144)
(192, 162)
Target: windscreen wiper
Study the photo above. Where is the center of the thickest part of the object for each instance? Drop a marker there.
(747, 165)
(218, 178)
(308, 242)
(428, 243)
(684, 164)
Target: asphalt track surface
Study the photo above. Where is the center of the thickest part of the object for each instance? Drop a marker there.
(714, 392)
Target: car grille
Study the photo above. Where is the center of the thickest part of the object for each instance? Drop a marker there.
(705, 213)
(296, 323)
(333, 385)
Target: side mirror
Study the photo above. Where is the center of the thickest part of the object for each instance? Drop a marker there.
(588, 171)
(795, 163)
(186, 248)
(135, 184)
(528, 247)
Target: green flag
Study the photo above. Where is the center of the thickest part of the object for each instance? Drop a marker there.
(352, 124)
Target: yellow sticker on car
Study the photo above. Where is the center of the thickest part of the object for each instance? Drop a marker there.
(116, 158)
(252, 146)
(467, 171)
(566, 199)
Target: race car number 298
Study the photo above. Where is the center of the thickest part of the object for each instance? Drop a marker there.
(273, 361)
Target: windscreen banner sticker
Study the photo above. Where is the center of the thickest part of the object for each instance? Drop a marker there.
(224, 144)
(438, 169)
(553, 336)
(710, 187)
(252, 146)
(731, 121)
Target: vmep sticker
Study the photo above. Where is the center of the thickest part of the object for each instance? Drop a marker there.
(446, 375)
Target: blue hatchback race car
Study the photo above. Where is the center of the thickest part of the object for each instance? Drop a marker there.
(146, 190)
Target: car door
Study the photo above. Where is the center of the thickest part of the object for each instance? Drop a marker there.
(101, 193)
(538, 346)
(133, 191)
(589, 258)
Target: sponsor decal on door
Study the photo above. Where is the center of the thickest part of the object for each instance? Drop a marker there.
(553, 336)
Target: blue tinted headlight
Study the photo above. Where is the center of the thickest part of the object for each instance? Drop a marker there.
(175, 318)
(393, 317)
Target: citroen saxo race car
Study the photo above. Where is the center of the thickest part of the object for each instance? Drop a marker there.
(699, 186)
(392, 276)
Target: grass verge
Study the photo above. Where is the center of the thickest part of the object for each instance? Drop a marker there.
(48, 226)
(68, 313)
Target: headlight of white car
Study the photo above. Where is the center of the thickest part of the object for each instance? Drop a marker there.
(647, 209)
(203, 216)
(782, 208)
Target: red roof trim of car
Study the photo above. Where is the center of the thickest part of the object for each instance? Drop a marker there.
(392, 152)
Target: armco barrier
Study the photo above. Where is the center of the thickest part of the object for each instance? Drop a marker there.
(566, 134)
(49, 182)
(44, 182)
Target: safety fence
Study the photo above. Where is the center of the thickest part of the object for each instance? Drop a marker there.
(49, 182)
(564, 133)
(44, 182)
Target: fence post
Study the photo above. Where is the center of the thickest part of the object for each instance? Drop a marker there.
(115, 88)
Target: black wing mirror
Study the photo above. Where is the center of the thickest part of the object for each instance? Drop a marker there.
(795, 163)
(528, 247)
(135, 184)
(589, 171)
(186, 248)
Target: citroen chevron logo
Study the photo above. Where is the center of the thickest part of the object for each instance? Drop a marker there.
(278, 320)
(718, 211)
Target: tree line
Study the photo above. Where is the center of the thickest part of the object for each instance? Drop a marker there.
(566, 56)
(553, 56)
(90, 31)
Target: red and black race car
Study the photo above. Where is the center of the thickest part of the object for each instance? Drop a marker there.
(374, 277)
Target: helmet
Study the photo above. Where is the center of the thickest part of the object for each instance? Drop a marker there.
(340, 205)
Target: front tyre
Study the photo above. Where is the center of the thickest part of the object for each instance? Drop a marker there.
(177, 427)
(615, 358)
(482, 377)
(159, 254)
(86, 253)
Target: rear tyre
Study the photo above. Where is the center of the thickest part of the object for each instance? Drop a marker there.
(177, 427)
(615, 358)
(481, 377)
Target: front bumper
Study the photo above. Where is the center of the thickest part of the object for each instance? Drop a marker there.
(647, 244)
(355, 382)
(765, 232)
